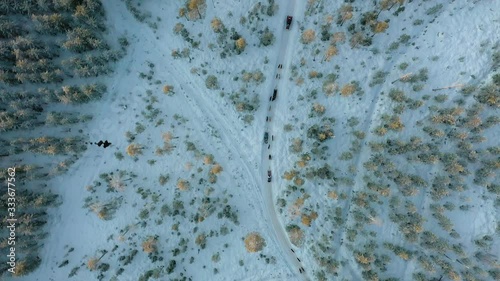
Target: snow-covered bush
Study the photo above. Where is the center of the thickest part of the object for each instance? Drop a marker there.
(211, 82)
(308, 36)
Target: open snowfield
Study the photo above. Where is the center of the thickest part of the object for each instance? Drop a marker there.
(383, 144)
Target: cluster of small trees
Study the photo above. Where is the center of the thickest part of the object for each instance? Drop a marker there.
(229, 40)
(489, 95)
(421, 76)
(180, 29)
(79, 94)
(242, 102)
(29, 228)
(81, 40)
(104, 210)
(42, 42)
(410, 224)
(93, 65)
(257, 76)
(320, 133)
(370, 19)
(47, 145)
(392, 123)
(261, 9)
(59, 118)
(29, 60)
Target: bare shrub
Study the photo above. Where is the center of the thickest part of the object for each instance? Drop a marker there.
(380, 26)
(254, 242)
(295, 234)
(208, 159)
(134, 149)
(330, 52)
(308, 36)
(348, 89)
(345, 13)
(196, 9)
(330, 88)
(296, 146)
(167, 89)
(318, 108)
(216, 169)
(150, 245)
(217, 25)
(338, 37)
(92, 263)
(182, 184)
(240, 45)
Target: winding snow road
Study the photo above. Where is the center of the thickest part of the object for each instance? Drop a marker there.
(267, 148)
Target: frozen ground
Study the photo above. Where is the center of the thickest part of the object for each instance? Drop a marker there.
(347, 238)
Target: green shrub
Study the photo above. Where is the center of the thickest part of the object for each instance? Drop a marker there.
(378, 78)
(267, 38)
(434, 9)
(211, 82)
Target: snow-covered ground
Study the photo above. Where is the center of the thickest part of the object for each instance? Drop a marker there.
(118, 205)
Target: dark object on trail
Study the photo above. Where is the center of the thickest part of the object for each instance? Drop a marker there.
(270, 157)
(106, 144)
(274, 94)
(103, 143)
(288, 22)
(266, 137)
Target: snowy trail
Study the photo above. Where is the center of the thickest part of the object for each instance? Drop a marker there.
(279, 230)
(235, 147)
(228, 136)
(376, 109)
